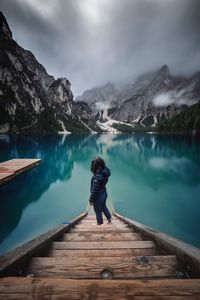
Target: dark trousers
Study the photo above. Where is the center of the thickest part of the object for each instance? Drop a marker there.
(100, 207)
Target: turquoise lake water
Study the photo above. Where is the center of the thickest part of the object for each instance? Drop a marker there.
(155, 180)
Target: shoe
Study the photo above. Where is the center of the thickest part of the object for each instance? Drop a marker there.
(109, 221)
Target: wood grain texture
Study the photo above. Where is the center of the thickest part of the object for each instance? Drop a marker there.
(96, 228)
(14, 259)
(112, 225)
(10, 168)
(103, 253)
(46, 288)
(86, 221)
(103, 245)
(186, 253)
(84, 252)
(4, 177)
(126, 267)
(105, 236)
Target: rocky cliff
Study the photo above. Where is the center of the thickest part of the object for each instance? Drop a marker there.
(31, 99)
(152, 98)
(163, 97)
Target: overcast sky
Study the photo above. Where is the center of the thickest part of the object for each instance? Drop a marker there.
(92, 42)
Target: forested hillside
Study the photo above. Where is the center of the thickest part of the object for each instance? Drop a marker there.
(188, 119)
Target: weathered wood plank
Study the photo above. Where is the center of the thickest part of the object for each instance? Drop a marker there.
(90, 223)
(10, 168)
(12, 261)
(105, 225)
(101, 228)
(103, 245)
(97, 228)
(104, 236)
(186, 253)
(79, 253)
(18, 165)
(126, 267)
(4, 177)
(114, 220)
(50, 288)
(165, 297)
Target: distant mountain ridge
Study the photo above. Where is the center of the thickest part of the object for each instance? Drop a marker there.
(154, 97)
(31, 100)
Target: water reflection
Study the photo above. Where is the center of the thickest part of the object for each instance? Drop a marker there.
(156, 160)
(145, 170)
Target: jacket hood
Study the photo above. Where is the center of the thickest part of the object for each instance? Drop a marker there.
(105, 172)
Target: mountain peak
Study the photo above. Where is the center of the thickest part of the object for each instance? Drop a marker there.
(164, 70)
(5, 31)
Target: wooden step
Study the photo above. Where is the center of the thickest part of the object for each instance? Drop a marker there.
(97, 228)
(105, 236)
(103, 245)
(126, 267)
(15, 288)
(79, 253)
(85, 220)
(89, 223)
(105, 226)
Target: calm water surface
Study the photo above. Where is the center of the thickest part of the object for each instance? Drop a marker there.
(155, 180)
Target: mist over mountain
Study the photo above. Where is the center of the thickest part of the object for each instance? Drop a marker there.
(33, 100)
(153, 97)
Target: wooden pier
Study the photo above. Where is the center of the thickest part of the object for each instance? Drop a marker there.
(11, 168)
(73, 262)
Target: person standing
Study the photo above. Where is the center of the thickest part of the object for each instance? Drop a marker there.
(98, 193)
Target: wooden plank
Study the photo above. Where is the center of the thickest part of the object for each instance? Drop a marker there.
(18, 165)
(103, 245)
(12, 261)
(186, 253)
(114, 232)
(93, 219)
(126, 267)
(105, 236)
(100, 227)
(113, 219)
(15, 288)
(97, 228)
(4, 177)
(185, 297)
(90, 222)
(79, 253)
(9, 169)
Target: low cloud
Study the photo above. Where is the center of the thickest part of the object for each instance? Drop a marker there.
(92, 42)
(102, 106)
(163, 100)
(177, 98)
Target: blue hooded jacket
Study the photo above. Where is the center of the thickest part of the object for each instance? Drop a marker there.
(98, 183)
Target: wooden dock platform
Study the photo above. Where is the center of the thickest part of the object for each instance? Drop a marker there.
(122, 260)
(11, 168)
